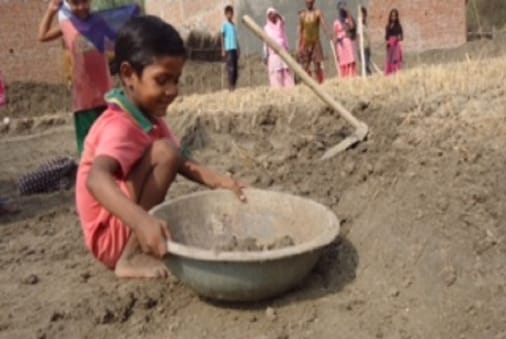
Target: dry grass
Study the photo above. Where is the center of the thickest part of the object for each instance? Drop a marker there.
(450, 102)
(415, 85)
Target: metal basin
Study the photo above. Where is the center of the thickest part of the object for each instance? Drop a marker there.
(198, 221)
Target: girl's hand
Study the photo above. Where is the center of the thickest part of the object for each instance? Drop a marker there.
(54, 5)
(153, 234)
(230, 183)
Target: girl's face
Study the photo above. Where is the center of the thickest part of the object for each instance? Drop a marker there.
(157, 87)
(310, 4)
(81, 8)
(394, 16)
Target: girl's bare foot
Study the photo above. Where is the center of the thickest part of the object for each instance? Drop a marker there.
(135, 264)
(140, 265)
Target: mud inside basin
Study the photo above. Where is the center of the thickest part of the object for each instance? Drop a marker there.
(288, 233)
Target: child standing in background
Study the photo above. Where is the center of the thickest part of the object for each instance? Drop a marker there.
(367, 42)
(86, 40)
(394, 37)
(230, 48)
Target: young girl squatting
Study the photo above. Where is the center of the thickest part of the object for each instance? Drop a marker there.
(131, 157)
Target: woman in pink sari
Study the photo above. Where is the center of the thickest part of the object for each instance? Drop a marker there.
(280, 75)
(344, 31)
(394, 37)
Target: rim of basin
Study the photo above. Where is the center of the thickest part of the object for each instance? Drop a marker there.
(191, 252)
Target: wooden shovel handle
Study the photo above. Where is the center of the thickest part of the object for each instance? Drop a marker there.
(297, 69)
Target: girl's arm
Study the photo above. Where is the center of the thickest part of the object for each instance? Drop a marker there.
(325, 26)
(335, 34)
(109, 49)
(151, 232)
(46, 33)
(301, 28)
(401, 36)
(204, 176)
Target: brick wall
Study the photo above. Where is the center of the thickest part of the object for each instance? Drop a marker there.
(190, 15)
(22, 57)
(427, 24)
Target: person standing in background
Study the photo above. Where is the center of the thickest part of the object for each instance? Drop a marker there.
(394, 37)
(230, 47)
(344, 34)
(89, 39)
(310, 47)
(367, 42)
(280, 75)
(85, 39)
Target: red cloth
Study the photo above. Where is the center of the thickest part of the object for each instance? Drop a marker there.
(395, 56)
(3, 92)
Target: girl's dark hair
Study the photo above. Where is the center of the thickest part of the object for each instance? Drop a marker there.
(229, 9)
(145, 38)
(342, 13)
(397, 21)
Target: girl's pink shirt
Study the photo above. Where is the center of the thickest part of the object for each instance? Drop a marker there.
(117, 135)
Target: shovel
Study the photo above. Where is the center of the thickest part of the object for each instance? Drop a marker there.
(334, 54)
(361, 129)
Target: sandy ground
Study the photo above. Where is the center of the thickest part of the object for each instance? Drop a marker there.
(422, 252)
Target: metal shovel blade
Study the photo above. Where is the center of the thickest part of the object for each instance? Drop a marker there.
(359, 135)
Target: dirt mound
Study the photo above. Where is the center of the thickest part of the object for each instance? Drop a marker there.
(31, 100)
(28, 99)
(422, 252)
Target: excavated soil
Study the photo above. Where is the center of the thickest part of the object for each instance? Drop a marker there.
(422, 252)
(235, 244)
